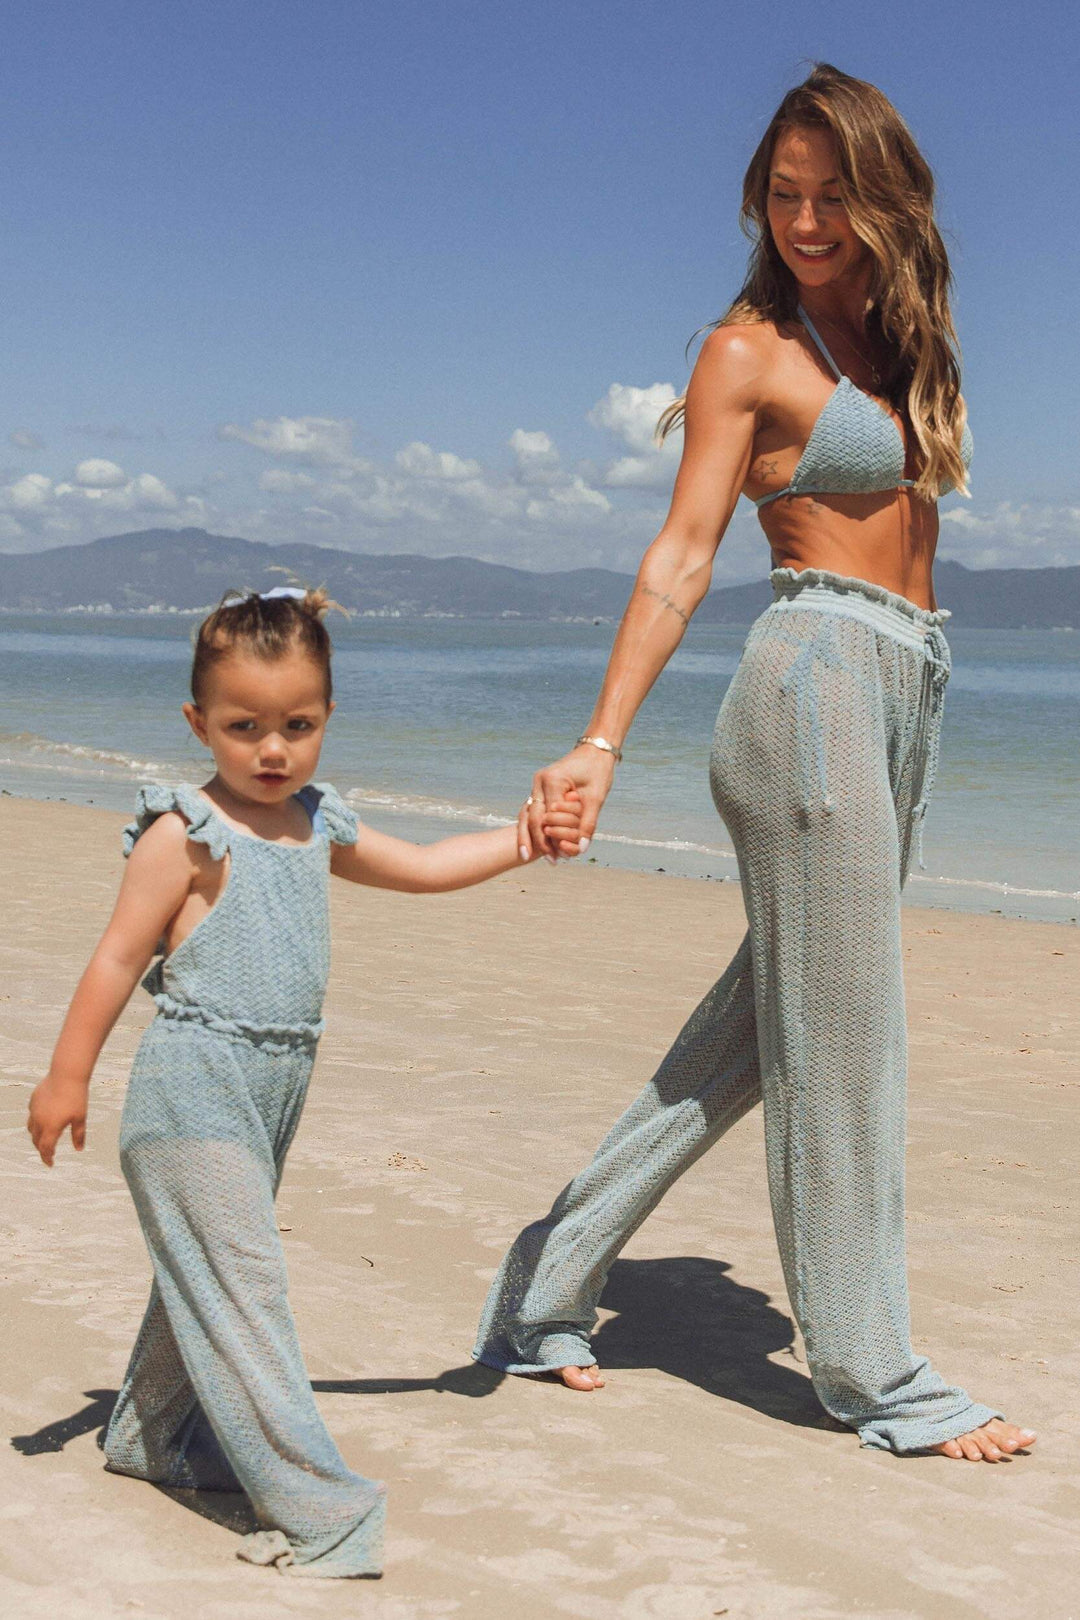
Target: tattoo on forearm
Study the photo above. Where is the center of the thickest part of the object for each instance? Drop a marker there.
(662, 596)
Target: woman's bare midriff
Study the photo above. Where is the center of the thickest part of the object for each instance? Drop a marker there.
(888, 539)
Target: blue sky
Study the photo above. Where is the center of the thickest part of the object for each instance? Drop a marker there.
(417, 277)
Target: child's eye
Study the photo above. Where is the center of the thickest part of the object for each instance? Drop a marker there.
(242, 725)
(300, 725)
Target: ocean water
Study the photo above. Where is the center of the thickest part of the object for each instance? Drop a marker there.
(440, 724)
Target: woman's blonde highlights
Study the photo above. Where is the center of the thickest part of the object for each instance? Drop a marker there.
(887, 188)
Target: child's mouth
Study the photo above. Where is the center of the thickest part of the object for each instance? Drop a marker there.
(271, 778)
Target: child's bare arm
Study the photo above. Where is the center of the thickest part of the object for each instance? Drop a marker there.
(383, 862)
(156, 882)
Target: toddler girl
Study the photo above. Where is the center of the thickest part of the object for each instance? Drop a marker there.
(229, 884)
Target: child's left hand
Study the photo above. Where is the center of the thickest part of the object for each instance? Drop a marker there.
(562, 824)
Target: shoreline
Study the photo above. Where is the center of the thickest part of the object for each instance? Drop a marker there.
(683, 858)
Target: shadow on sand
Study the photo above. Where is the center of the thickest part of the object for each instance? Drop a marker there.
(683, 1315)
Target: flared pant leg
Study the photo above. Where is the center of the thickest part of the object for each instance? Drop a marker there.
(541, 1307)
(158, 1431)
(205, 1129)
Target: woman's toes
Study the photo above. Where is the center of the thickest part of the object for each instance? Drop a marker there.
(1008, 1436)
(971, 1448)
(584, 1378)
(950, 1448)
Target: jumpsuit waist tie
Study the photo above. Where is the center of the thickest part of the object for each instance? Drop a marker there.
(286, 1035)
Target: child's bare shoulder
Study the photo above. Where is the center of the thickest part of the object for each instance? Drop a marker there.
(166, 840)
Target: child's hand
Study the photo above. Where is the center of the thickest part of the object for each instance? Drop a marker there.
(54, 1105)
(562, 823)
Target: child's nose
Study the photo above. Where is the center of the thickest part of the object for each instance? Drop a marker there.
(273, 746)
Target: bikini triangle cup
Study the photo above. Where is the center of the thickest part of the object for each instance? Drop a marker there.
(855, 447)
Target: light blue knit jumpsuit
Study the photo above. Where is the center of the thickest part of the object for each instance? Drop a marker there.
(822, 767)
(216, 1395)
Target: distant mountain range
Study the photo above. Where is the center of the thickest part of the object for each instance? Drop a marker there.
(189, 568)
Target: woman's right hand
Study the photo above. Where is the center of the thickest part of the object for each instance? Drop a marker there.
(586, 770)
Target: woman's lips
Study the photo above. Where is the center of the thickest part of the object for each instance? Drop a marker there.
(814, 251)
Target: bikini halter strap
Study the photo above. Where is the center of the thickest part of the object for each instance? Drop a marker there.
(813, 331)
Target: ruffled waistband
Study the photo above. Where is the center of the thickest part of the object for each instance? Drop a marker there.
(790, 582)
(272, 1035)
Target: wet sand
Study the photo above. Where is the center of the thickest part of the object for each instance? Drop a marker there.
(478, 1046)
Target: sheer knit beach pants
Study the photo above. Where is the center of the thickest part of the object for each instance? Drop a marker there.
(822, 767)
(216, 1395)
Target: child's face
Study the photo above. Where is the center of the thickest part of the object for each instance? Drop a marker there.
(264, 722)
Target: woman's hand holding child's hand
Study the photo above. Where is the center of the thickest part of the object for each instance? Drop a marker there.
(54, 1105)
(562, 824)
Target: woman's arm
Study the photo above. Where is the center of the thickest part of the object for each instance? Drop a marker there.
(156, 882)
(723, 403)
(383, 862)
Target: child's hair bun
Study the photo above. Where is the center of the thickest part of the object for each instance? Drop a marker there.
(317, 601)
(264, 624)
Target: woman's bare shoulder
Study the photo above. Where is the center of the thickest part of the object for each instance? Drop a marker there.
(737, 361)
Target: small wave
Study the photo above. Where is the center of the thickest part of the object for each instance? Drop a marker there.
(32, 749)
(996, 887)
(416, 804)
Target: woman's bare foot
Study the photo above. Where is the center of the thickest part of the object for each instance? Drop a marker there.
(580, 1377)
(992, 1442)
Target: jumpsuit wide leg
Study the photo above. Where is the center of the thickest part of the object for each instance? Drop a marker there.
(822, 768)
(216, 1395)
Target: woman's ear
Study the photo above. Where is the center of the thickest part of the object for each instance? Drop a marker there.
(197, 721)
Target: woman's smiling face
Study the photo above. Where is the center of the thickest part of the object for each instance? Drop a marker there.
(808, 220)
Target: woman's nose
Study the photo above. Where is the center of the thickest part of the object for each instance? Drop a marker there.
(806, 219)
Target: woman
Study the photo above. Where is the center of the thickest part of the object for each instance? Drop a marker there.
(829, 394)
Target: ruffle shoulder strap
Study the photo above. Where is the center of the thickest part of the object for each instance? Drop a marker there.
(340, 822)
(203, 826)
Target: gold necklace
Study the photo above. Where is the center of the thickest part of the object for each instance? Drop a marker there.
(875, 374)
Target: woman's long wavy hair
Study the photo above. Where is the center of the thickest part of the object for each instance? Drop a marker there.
(887, 188)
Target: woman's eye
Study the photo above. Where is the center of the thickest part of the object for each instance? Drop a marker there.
(784, 196)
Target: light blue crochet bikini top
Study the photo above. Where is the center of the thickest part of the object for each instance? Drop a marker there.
(855, 448)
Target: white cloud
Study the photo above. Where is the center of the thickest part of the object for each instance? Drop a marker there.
(280, 481)
(1011, 535)
(23, 439)
(320, 441)
(29, 493)
(99, 474)
(34, 507)
(146, 493)
(630, 414)
(568, 503)
(421, 461)
(535, 456)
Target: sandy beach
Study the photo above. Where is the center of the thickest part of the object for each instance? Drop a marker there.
(478, 1046)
